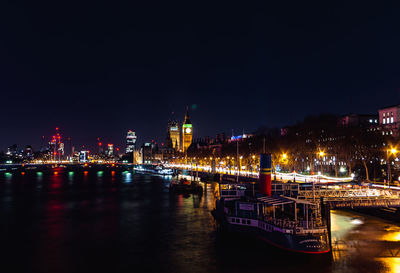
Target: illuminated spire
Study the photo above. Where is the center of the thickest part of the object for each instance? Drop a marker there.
(187, 117)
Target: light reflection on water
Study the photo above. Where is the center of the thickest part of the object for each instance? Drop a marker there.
(127, 177)
(362, 243)
(390, 265)
(130, 220)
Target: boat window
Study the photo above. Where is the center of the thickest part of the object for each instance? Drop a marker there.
(243, 221)
(233, 220)
(248, 222)
(237, 220)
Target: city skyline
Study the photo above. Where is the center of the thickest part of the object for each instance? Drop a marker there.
(94, 74)
(199, 137)
(120, 141)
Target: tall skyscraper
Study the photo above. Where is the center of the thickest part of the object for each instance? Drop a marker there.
(187, 132)
(130, 141)
(174, 134)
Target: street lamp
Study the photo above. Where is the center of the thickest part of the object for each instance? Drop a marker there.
(284, 160)
(389, 152)
(240, 164)
(321, 155)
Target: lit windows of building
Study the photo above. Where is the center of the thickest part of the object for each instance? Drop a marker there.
(173, 132)
(357, 120)
(130, 141)
(84, 156)
(110, 149)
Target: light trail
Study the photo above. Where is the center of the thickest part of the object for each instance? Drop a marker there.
(279, 175)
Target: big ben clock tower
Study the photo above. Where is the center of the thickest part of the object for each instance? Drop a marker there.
(187, 132)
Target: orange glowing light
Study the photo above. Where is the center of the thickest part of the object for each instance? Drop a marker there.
(23, 173)
(55, 173)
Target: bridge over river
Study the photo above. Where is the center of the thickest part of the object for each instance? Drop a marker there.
(360, 197)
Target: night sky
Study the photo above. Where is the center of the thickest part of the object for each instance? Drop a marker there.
(98, 69)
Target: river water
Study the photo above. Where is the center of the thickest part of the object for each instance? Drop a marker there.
(124, 222)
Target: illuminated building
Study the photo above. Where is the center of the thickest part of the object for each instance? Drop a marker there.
(83, 156)
(240, 137)
(56, 147)
(389, 118)
(110, 149)
(173, 134)
(28, 151)
(99, 146)
(187, 132)
(61, 149)
(12, 150)
(147, 153)
(130, 141)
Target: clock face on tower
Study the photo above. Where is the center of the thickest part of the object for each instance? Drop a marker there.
(188, 130)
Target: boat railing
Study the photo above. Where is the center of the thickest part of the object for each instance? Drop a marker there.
(288, 225)
(298, 226)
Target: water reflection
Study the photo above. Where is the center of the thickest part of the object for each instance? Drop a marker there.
(127, 177)
(70, 177)
(391, 265)
(360, 243)
(8, 176)
(119, 222)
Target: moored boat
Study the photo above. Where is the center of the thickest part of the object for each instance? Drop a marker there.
(154, 169)
(185, 186)
(286, 222)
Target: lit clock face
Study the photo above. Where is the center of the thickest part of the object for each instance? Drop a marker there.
(188, 130)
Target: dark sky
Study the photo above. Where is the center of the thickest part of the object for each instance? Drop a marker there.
(98, 69)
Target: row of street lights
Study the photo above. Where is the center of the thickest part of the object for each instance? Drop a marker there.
(251, 161)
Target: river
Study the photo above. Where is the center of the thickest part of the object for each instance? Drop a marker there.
(103, 221)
